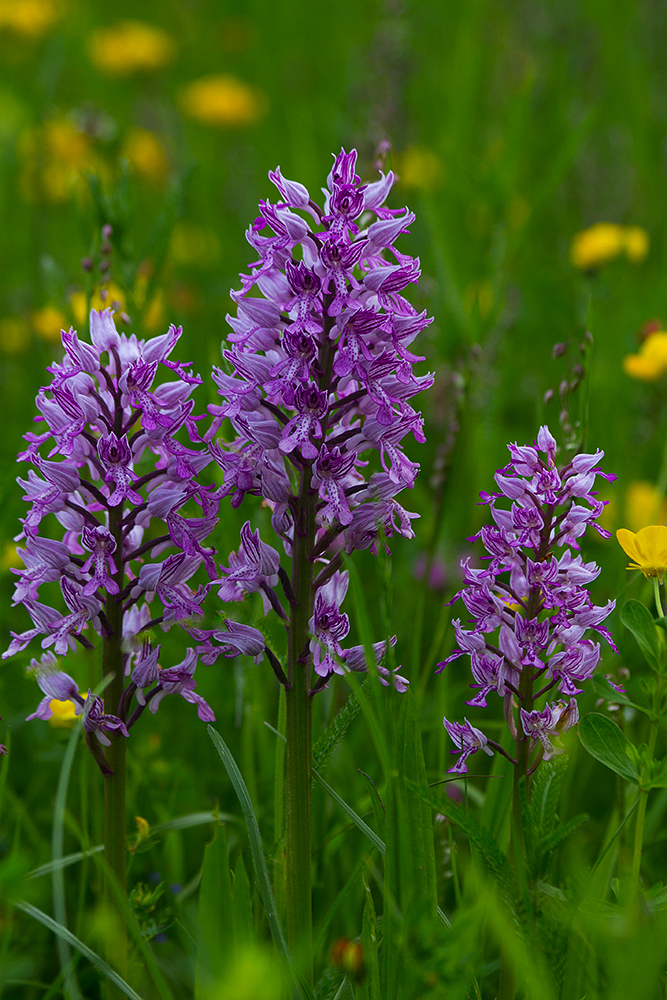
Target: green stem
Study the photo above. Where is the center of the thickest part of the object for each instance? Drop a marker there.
(115, 836)
(643, 799)
(507, 987)
(658, 600)
(298, 847)
(639, 841)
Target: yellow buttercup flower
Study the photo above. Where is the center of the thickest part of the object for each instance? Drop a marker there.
(30, 18)
(650, 363)
(644, 505)
(596, 245)
(144, 151)
(130, 46)
(648, 548)
(605, 241)
(223, 100)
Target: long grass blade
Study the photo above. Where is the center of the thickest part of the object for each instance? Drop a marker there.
(87, 952)
(301, 988)
(70, 984)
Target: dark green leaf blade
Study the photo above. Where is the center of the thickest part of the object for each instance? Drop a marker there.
(604, 740)
(638, 619)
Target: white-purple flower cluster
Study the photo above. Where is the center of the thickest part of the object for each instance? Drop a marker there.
(113, 481)
(317, 373)
(529, 607)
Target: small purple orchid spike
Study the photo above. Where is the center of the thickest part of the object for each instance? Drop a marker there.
(529, 606)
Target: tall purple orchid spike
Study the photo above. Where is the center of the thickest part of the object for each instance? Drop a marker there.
(317, 374)
(114, 473)
(530, 612)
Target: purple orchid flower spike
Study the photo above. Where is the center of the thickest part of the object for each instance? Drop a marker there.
(128, 539)
(318, 374)
(318, 377)
(529, 606)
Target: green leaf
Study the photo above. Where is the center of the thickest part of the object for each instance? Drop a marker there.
(604, 689)
(604, 740)
(67, 936)
(301, 987)
(638, 619)
(658, 775)
(215, 938)
(551, 841)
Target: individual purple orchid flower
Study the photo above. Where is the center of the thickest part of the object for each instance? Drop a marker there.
(55, 684)
(467, 741)
(97, 721)
(529, 606)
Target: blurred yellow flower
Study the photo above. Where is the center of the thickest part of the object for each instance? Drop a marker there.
(223, 101)
(155, 316)
(130, 46)
(48, 322)
(192, 244)
(80, 307)
(636, 244)
(53, 155)
(143, 151)
(143, 828)
(644, 505)
(14, 334)
(30, 18)
(604, 241)
(62, 713)
(650, 364)
(419, 167)
(648, 548)
(10, 558)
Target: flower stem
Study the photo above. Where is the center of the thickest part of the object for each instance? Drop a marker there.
(114, 784)
(639, 842)
(299, 738)
(658, 600)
